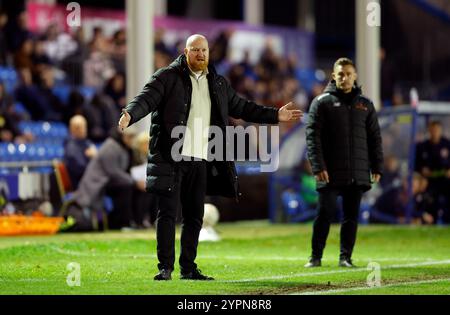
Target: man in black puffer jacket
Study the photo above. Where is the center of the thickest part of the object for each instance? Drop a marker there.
(345, 151)
(190, 93)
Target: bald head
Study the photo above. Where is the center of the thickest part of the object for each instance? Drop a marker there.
(194, 38)
(78, 127)
(197, 52)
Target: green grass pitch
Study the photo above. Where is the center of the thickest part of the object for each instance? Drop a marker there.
(252, 258)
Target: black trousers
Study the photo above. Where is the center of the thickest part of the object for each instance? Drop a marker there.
(351, 198)
(190, 188)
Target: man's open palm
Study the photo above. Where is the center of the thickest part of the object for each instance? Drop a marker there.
(289, 113)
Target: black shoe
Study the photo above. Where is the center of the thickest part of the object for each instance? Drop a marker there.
(346, 262)
(313, 262)
(196, 274)
(164, 274)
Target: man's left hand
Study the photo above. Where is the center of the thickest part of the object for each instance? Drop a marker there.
(376, 178)
(289, 113)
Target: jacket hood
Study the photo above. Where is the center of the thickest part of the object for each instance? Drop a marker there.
(332, 88)
(181, 64)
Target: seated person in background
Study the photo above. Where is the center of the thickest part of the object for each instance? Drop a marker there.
(39, 100)
(433, 162)
(8, 130)
(392, 205)
(9, 120)
(102, 116)
(145, 204)
(391, 175)
(78, 149)
(108, 174)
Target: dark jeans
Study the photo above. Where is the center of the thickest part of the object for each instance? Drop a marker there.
(190, 188)
(351, 197)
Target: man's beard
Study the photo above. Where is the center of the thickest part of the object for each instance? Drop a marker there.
(198, 66)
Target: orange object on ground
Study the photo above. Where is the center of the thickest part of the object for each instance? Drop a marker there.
(29, 225)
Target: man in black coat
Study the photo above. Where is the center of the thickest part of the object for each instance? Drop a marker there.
(345, 151)
(188, 93)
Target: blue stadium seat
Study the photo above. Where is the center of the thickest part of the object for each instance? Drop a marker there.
(8, 76)
(62, 92)
(88, 92)
(20, 109)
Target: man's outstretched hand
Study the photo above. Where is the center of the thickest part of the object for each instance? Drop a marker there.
(289, 113)
(124, 120)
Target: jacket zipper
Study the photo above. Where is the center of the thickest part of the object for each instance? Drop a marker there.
(352, 180)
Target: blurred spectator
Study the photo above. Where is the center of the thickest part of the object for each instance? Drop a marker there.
(102, 116)
(392, 205)
(269, 59)
(160, 45)
(107, 174)
(22, 57)
(119, 50)
(219, 48)
(161, 60)
(145, 207)
(28, 94)
(98, 68)
(5, 100)
(78, 149)
(9, 120)
(99, 41)
(391, 174)
(8, 127)
(398, 99)
(58, 45)
(39, 56)
(17, 31)
(3, 41)
(73, 63)
(247, 66)
(433, 162)
(116, 90)
(54, 107)
(75, 105)
(39, 100)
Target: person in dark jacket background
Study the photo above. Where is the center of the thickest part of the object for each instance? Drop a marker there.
(433, 162)
(108, 174)
(78, 149)
(185, 92)
(345, 151)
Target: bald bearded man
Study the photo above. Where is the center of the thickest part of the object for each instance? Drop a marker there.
(189, 93)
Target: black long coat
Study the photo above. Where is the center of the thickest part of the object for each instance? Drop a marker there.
(343, 137)
(167, 96)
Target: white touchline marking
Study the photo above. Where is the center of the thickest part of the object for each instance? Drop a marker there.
(307, 274)
(369, 288)
(232, 257)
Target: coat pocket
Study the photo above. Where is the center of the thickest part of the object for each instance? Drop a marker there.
(160, 175)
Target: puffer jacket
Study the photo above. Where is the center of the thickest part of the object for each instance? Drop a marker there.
(343, 137)
(167, 96)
